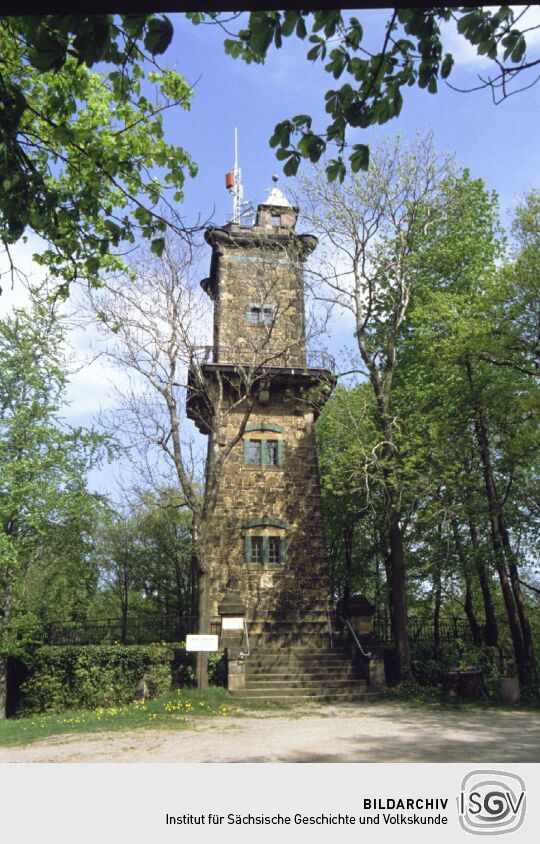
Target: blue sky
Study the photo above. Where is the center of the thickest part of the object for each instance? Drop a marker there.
(499, 144)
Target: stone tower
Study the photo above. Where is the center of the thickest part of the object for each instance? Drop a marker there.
(266, 532)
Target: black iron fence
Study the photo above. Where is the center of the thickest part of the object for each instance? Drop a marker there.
(141, 630)
(423, 631)
(135, 630)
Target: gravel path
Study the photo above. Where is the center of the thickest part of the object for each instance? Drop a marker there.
(334, 733)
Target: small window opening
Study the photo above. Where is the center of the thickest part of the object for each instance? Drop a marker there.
(254, 315)
(268, 315)
(254, 453)
(272, 452)
(256, 549)
(274, 550)
(276, 221)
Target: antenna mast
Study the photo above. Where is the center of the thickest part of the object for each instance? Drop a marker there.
(238, 189)
(233, 182)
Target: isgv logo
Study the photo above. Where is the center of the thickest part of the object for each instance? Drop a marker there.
(491, 802)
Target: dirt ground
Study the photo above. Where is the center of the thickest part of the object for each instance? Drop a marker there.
(344, 733)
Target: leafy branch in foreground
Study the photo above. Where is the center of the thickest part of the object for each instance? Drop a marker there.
(79, 148)
(411, 53)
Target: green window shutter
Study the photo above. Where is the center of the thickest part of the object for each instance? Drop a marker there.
(283, 550)
(247, 548)
(280, 452)
(266, 552)
(246, 451)
(264, 453)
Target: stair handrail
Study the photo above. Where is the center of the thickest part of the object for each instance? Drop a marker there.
(328, 618)
(248, 653)
(367, 654)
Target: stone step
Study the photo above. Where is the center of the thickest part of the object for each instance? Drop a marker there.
(295, 668)
(325, 697)
(307, 691)
(277, 643)
(317, 676)
(292, 684)
(283, 658)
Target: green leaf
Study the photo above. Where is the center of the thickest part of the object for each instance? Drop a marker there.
(335, 169)
(291, 167)
(48, 52)
(360, 158)
(159, 35)
(157, 246)
(290, 21)
(447, 65)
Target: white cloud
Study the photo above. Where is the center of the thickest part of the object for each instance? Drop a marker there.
(465, 53)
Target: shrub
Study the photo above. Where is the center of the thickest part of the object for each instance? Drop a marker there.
(429, 668)
(88, 676)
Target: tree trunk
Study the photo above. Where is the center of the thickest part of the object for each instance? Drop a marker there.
(491, 636)
(437, 594)
(203, 622)
(523, 648)
(3, 687)
(526, 632)
(476, 633)
(398, 592)
(124, 599)
(6, 618)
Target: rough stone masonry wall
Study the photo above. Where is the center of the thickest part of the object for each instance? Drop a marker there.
(266, 278)
(290, 493)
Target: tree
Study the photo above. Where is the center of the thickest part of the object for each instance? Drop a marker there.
(347, 442)
(77, 167)
(372, 229)
(144, 551)
(412, 53)
(43, 491)
(464, 405)
(166, 551)
(486, 446)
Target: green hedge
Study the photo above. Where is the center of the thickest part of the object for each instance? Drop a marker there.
(88, 676)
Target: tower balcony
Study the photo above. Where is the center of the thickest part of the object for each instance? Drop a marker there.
(315, 359)
(261, 374)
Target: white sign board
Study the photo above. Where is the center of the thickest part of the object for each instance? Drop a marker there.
(201, 643)
(232, 623)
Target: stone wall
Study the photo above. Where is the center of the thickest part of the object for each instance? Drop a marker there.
(290, 493)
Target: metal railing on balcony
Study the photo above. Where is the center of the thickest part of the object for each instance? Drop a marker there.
(314, 358)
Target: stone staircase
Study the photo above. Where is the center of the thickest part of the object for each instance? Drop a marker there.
(299, 675)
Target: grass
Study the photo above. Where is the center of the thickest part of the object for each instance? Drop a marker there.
(180, 711)
(175, 711)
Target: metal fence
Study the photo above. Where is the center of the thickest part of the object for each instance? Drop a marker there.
(135, 630)
(314, 358)
(141, 630)
(422, 630)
